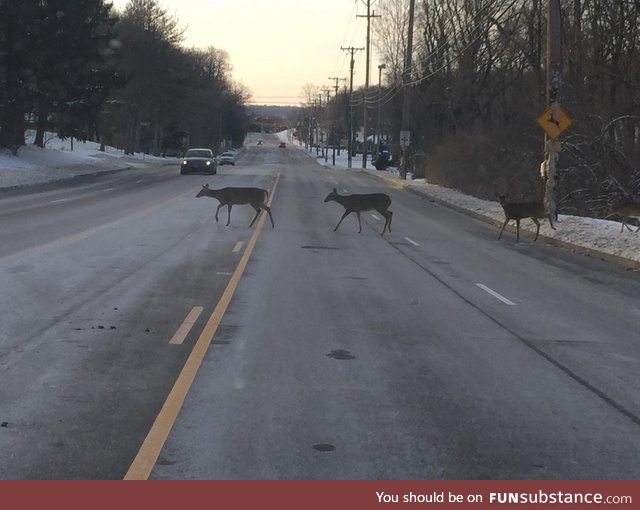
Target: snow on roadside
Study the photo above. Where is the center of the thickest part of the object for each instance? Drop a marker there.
(591, 234)
(35, 165)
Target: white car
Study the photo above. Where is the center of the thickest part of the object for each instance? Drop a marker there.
(227, 158)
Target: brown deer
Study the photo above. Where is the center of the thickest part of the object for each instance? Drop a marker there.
(255, 197)
(521, 210)
(625, 211)
(363, 202)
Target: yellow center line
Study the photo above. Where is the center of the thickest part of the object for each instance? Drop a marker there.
(148, 454)
(186, 326)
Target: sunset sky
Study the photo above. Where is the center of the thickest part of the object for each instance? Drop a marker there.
(276, 47)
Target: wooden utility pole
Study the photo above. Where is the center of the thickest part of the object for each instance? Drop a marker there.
(352, 50)
(325, 131)
(369, 15)
(335, 116)
(548, 169)
(405, 133)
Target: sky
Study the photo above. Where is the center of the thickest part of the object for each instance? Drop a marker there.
(277, 47)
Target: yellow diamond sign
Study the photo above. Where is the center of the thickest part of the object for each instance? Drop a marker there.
(554, 121)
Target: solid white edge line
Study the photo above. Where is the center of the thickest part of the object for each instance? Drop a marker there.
(496, 295)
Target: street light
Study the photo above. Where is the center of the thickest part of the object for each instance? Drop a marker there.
(380, 68)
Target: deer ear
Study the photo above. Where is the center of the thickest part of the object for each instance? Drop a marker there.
(205, 186)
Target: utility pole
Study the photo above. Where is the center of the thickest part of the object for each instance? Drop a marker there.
(405, 134)
(369, 15)
(352, 50)
(318, 122)
(548, 169)
(324, 131)
(335, 116)
(380, 68)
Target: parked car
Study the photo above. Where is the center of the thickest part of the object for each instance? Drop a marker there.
(227, 158)
(383, 160)
(199, 160)
(282, 145)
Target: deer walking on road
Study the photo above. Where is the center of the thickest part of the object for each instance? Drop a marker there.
(625, 211)
(358, 203)
(255, 197)
(521, 210)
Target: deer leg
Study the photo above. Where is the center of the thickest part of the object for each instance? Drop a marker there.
(219, 206)
(387, 219)
(502, 229)
(538, 229)
(359, 222)
(517, 231)
(268, 209)
(228, 214)
(256, 216)
(346, 213)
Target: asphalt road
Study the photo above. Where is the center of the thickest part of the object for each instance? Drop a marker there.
(432, 352)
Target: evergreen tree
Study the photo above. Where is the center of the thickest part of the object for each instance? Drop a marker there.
(52, 66)
(16, 70)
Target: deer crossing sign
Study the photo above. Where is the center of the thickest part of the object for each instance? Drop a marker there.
(554, 121)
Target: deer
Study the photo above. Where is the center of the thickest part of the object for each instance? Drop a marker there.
(358, 203)
(255, 197)
(625, 211)
(521, 210)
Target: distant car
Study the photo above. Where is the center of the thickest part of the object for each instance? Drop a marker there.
(198, 160)
(227, 158)
(282, 145)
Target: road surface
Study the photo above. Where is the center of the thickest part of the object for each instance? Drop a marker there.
(141, 339)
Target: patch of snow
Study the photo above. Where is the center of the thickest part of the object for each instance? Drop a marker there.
(36, 165)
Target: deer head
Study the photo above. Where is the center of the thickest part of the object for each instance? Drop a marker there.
(203, 191)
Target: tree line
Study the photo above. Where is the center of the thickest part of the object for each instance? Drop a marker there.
(478, 84)
(84, 70)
